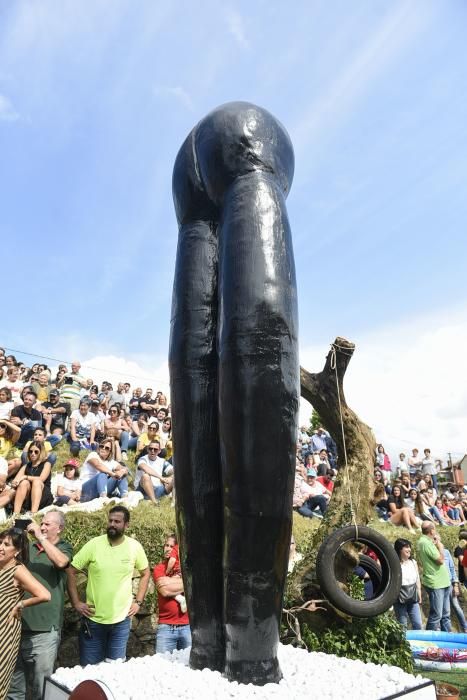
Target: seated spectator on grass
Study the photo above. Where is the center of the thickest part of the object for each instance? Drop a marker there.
(312, 498)
(165, 438)
(134, 404)
(13, 383)
(9, 436)
(38, 437)
(429, 497)
(117, 427)
(6, 403)
(453, 509)
(327, 481)
(153, 475)
(429, 483)
(145, 438)
(26, 417)
(42, 387)
(102, 475)
(405, 483)
(54, 415)
(138, 427)
(117, 396)
(69, 485)
(392, 508)
(32, 482)
(82, 428)
(97, 408)
(380, 478)
(147, 403)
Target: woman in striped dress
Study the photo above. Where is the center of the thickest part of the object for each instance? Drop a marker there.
(15, 579)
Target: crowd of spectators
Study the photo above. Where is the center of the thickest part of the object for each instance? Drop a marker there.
(40, 408)
(416, 491)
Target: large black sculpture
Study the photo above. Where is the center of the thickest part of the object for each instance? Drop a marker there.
(234, 386)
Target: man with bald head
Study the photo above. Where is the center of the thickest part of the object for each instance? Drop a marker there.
(435, 577)
(71, 385)
(49, 557)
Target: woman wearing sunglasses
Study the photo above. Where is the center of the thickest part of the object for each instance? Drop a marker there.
(32, 482)
(102, 475)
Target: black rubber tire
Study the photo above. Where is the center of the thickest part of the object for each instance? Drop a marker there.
(391, 574)
(373, 569)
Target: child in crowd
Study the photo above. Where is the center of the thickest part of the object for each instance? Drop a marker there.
(69, 486)
(173, 569)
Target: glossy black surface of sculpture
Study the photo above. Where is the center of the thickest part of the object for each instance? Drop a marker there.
(234, 376)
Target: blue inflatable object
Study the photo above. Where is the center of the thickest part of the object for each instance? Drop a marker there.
(437, 636)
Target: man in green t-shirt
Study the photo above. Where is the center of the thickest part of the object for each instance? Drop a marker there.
(49, 556)
(110, 561)
(435, 577)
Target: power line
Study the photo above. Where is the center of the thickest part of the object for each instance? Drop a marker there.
(12, 351)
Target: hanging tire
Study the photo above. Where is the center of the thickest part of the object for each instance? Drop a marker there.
(389, 574)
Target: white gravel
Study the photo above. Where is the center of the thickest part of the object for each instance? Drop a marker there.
(305, 675)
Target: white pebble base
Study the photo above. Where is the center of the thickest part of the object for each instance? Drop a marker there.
(318, 675)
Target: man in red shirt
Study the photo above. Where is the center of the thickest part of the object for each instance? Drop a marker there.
(173, 630)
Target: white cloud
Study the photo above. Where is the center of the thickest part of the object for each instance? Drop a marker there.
(236, 27)
(408, 382)
(7, 112)
(177, 92)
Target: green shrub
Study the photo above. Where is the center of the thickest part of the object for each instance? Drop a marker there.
(378, 640)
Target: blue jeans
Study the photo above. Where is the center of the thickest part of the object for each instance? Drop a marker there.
(54, 439)
(171, 637)
(124, 438)
(132, 442)
(313, 503)
(440, 609)
(27, 432)
(411, 611)
(117, 487)
(456, 606)
(434, 511)
(159, 491)
(93, 487)
(106, 641)
(36, 658)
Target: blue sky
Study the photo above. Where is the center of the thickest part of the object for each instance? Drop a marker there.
(95, 100)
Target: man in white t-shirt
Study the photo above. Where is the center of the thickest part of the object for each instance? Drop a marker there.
(154, 475)
(316, 496)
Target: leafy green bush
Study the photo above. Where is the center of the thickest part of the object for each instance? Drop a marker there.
(378, 640)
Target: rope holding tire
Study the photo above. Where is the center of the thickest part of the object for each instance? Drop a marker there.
(388, 589)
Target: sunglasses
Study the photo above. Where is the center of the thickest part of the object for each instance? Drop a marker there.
(105, 447)
(34, 452)
(153, 449)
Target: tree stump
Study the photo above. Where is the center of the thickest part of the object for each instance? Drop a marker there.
(353, 488)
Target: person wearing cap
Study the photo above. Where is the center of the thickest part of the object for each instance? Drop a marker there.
(310, 497)
(54, 414)
(49, 557)
(69, 484)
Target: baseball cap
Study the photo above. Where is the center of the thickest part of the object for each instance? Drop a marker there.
(54, 392)
(72, 462)
(311, 472)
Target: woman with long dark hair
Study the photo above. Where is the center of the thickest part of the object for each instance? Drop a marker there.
(15, 579)
(407, 606)
(32, 483)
